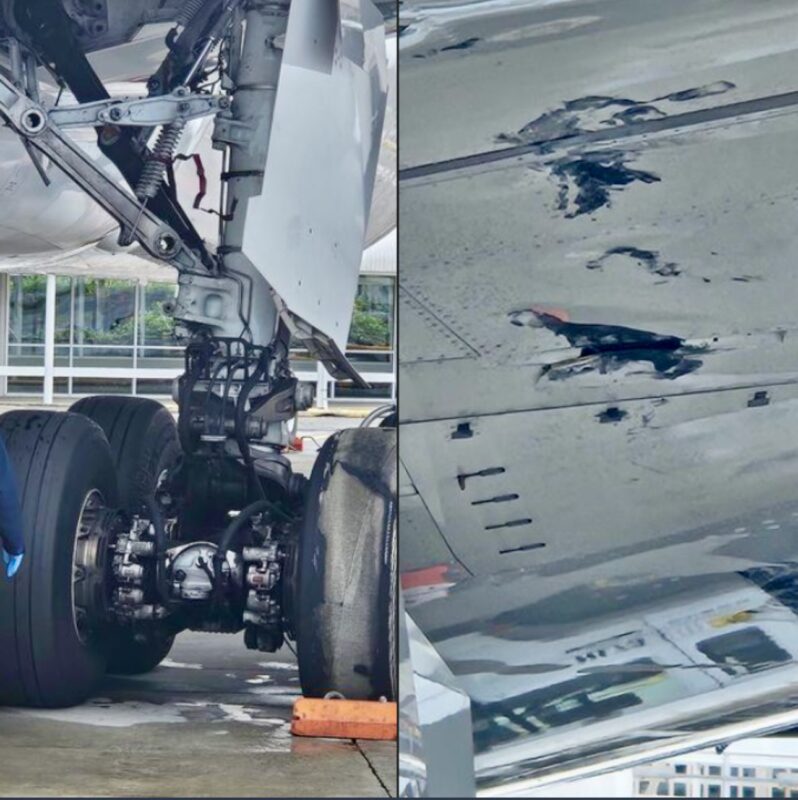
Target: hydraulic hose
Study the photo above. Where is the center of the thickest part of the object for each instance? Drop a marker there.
(156, 518)
(229, 534)
(237, 525)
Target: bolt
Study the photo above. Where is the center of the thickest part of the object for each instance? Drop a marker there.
(166, 243)
(184, 108)
(33, 121)
(115, 113)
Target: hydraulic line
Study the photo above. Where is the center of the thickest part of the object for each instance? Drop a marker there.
(233, 530)
(237, 525)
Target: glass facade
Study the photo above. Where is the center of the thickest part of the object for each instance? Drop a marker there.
(371, 337)
(727, 779)
(114, 336)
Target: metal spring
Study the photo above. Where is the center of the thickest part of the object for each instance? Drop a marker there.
(153, 172)
(186, 14)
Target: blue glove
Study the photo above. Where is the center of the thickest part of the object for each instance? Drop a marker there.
(12, 563)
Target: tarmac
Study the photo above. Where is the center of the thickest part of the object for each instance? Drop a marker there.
(212, 720)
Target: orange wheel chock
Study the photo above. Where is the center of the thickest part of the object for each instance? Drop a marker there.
(344, 719)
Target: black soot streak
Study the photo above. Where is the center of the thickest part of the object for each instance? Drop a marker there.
(650, 259)
(636, 113)
(594, 174)
(563, 121)
(574, 116)
(697, 92)
(464, 45)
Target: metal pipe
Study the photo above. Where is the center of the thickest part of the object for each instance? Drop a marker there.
(17, 69)
(31, 78)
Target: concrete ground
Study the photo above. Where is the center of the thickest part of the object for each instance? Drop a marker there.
(212, 720)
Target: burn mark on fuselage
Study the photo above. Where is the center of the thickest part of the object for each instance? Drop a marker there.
(650, 259)
(596, 174)
(568, 120)
(466, 44)
(605, 348)
(697, 92)
(584, 113)
(585, 182)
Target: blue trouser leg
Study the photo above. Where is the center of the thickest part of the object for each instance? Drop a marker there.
(10, 508)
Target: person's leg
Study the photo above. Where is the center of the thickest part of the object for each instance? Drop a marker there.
(10, 516)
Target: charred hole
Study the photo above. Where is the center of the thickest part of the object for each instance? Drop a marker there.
(586, 183)
(616, 345)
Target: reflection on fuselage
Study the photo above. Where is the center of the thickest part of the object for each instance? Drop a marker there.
(657, 658)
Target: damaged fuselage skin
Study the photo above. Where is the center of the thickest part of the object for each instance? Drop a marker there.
(598, 306)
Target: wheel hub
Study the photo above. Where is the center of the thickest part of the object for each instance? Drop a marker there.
(91, 568)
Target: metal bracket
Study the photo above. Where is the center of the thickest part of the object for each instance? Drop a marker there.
(179, 106)
(32, 123)
(207, 300)
(228, 131)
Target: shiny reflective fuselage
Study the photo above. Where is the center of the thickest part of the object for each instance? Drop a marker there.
(599, 349)
(44, 225)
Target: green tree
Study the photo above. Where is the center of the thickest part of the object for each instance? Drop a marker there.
(370, 328)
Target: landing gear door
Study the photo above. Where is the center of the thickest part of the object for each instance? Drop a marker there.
(306, 231)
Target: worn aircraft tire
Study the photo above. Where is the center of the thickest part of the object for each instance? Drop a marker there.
(129, 656)
(143, 438)
(58, 460)
(144, 441)
(345, 583)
